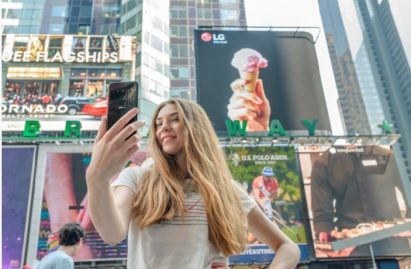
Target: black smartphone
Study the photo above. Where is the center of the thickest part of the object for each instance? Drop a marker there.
(122, 97)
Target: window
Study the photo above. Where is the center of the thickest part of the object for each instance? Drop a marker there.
(180, 73)
(178, 13)
(229, 14)
(55, 44)
(204, 13)
(20, 43)
(56, 28)
(178, 31)
(156, 43)
(156, 65)
(96, 44)
(78, 72)
(184, 93)
(179, 50)
(58, 11)
(156, 88)
(157, 24)
(79, 44)
(130, 23)
(92, 82)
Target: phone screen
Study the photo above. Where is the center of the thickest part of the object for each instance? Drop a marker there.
(123, 96)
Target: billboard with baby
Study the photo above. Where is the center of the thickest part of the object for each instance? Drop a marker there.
(259, 76)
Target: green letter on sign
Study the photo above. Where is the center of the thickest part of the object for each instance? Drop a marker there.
(276, 128)
(31, 128)
(233, 127)
(72, 128)
(310, 126)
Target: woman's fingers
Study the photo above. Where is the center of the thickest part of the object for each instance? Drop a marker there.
(121, 123)
(102, 129)
(130, 142)
(129, 130)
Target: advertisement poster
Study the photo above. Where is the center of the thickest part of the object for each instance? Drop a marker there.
(270, 176)
(65, 200)
(54, 78)
(259, 76)
(356, 201)
(16, 183)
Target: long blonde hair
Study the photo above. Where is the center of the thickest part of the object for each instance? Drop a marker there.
(161, 196)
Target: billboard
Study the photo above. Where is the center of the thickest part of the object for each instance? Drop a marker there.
(67, 49)
(270, 176)
(356, 201)
(17, 174)
(65, 200)
(54, 78)
(259, 76)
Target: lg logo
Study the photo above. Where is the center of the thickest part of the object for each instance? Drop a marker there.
(206, 37)
(217, 38)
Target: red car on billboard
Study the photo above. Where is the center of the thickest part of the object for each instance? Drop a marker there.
(97, 109)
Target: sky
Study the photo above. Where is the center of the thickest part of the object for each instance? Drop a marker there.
(300, 13)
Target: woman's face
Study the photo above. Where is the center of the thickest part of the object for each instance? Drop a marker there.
(169, 132)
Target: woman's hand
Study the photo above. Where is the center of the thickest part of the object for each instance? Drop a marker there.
(113, 148)
(253, 107)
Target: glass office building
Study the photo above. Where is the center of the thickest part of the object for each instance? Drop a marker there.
(369, 42)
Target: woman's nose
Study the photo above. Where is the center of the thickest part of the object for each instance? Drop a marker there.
(166, 126)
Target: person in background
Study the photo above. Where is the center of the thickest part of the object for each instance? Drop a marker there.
(265, 189)
(70, 238)
(182, 211)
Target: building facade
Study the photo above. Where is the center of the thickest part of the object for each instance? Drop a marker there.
(185, 16)
(165, 36)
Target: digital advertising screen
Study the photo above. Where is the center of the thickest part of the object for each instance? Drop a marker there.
(269, 175)
(356, 201)
(57, 78)
(17, 173)
(65, 200)
(259, 76)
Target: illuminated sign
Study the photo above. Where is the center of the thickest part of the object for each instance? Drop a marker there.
(68, 49)
(79, 57)
(276, 128)
(48, 109)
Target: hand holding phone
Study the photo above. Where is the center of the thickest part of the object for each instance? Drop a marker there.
(123, 96)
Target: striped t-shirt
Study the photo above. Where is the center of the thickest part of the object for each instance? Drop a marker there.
(174, 243)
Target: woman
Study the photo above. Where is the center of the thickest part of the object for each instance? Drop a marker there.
(183, 210)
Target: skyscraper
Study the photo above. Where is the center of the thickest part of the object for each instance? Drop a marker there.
(369, 42)
(165, 36)
(149, 22)
(185, 16)
(21, 17)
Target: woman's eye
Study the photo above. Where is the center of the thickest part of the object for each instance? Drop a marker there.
(158, 124)
(175, 120)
